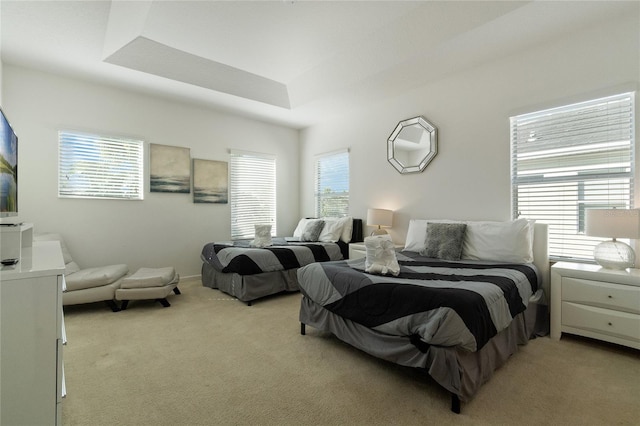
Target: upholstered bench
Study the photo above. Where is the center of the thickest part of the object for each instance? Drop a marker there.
(148, 283)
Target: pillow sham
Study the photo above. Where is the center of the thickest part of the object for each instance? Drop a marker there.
(444, 240)
(499, 241)
(381, 256)
(312, 230)
(262, 237)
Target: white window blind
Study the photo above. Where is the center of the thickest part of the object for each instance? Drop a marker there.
(568, 159)
(92, 166)
(253, 193)
(332, 184)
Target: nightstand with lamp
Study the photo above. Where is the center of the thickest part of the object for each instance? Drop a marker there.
(380, 218)
(601, 301)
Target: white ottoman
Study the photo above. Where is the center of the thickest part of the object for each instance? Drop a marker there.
(148, 283)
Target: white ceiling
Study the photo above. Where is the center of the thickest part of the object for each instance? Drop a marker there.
(289, 62)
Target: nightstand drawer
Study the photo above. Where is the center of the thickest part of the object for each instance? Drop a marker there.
(605, 295)
(619, 324)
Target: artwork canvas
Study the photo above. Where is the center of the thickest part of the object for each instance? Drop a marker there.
(210, 181)
(170, 169)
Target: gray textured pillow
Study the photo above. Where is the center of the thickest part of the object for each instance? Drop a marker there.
(312, 230)
(444, 240)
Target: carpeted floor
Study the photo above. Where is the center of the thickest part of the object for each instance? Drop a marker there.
(211, 360)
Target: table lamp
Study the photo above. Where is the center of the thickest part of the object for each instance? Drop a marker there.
(613, 223)
(379, 218)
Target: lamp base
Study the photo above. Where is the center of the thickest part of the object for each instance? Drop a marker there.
(614, 255)
(378, 231)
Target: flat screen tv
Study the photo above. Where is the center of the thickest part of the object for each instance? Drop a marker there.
(8, 169)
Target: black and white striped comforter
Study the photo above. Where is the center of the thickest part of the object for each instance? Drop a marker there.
(433, 302)
(238, 257)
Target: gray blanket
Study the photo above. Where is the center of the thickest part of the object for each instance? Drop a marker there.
(460, 304)
(242, 259)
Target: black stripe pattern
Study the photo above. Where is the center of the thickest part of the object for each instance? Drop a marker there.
(251, 260)
(373, 304)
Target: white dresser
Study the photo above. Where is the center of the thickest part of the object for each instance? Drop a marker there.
(31, 337)
(590, 301)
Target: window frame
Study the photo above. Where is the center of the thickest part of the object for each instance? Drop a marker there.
(238, 192)
(320, 193)
(103, 159)
(568, 159)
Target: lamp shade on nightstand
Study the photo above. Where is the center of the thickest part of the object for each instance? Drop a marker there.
(380, 218)
(613, 223)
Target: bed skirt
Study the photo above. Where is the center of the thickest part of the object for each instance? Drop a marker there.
(459, 371)
(250, 287)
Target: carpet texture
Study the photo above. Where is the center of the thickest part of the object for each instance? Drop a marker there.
(212, 360)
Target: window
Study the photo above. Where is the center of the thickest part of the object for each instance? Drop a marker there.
(568, 159)
(332, 184)
(91, 166)
(253, 193)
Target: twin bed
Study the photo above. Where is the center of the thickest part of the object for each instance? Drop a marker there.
(250, 273)
(459, 320)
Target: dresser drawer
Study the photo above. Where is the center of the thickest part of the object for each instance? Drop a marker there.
(613, 323)
(605, 295)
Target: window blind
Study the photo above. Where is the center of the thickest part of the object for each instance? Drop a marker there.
(568, 159)
(92, 166)
(332, 184)
(253, 193)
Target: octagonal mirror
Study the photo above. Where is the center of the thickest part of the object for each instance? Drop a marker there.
(412, 145)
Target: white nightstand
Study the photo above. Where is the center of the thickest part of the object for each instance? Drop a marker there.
(590, 301)
(358, 250)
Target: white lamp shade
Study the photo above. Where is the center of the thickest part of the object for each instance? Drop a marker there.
(613, 223)
(379, 217)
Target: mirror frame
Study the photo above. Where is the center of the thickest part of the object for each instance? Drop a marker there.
(433, 145)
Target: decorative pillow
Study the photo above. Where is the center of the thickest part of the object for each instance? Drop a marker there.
(444, 240)
(417, 233)
(312, 230)
(262, 236)
(499, 241)
(381, 256)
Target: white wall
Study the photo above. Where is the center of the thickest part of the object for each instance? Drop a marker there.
(470, 178)
(164, 229)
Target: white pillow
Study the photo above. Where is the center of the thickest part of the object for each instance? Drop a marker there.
(337, 228)
(416, 235)
(262, 236)
(381, 256)
(347, 230)
(499, 241)
(300, 228)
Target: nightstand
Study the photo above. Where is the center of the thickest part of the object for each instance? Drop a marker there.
(590, 301)
(358, 250)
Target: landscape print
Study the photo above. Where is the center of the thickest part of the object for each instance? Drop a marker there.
(210, 181)
(8, 169)
(170, 168)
